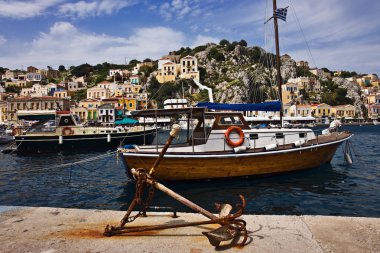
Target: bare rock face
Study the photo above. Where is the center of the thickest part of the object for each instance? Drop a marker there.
(353, 91)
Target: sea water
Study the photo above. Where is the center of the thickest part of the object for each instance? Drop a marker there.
(332, 189)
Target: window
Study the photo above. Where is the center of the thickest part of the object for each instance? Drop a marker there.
(130, 105)
(279, 136)
(253, 136)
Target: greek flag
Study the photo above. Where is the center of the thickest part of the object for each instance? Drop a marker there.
(281, 13)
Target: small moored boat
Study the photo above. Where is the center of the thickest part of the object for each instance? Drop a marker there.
(53, 131)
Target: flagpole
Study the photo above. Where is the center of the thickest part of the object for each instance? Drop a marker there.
(278, 61)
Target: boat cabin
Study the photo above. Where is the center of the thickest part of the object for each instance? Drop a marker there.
(219, 131)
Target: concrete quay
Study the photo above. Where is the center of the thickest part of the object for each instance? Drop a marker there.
(50, 230)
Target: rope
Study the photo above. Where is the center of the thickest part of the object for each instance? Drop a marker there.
(6, 172)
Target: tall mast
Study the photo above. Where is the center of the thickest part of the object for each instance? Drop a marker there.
(278, 61)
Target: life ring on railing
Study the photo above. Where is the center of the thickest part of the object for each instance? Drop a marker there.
(228, 139)
(67, 131)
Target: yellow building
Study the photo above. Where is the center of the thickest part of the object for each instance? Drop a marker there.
(344, 111)
(3, 111)
(321, 110)
(91, 105)
(189, 68)
(289, 92)
(303, 110)
(82, 113)
(369, 99)
(60, 94)
(127, 103)
(168, 73)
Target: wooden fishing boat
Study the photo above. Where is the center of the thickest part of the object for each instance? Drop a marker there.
(229, 147)
(207, 153)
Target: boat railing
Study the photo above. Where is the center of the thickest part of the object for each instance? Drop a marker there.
(261, 137)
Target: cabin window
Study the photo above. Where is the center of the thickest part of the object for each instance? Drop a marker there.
(302, 135)
(253, 136)
(230, 120)
(108, 131)
(279, 136)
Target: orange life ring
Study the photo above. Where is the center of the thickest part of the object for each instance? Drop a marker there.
(228, 139)
(16, 131)
(67, 131)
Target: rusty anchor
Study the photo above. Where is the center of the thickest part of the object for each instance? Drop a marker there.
(232, 228)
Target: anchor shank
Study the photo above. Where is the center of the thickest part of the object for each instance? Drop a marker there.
(178, 197)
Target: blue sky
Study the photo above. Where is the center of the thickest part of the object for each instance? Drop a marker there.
(340, 34)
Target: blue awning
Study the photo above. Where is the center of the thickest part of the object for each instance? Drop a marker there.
(126, 121)
(273, 106)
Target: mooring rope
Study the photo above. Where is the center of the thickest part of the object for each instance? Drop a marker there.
(7, 172)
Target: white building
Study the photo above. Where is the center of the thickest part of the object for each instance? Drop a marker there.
(106, 114)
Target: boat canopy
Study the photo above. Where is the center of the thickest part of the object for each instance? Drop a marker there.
(272, 106)
(194, 111)
(126, 121)
(36, 115)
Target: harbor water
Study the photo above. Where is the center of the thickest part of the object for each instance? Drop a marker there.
(332, 189)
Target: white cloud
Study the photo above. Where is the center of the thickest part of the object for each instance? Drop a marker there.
(2, 40)
(25, 9)
(179, 9)
(203, 40)
(84, 9)
(67, 45)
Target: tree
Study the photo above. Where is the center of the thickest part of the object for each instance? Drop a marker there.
(13, 89)
(61, 68)
(133, 62)
(243, 43)
(215, 54)
(147, 60)
(224, 42)
(82, 70)
(79, 95)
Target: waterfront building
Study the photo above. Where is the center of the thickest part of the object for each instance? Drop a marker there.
(106, 114)
(303, 110)
(321, 110)
(91, 105)
(34, 103)
(82, 113)
(344, 111)
(3, 111)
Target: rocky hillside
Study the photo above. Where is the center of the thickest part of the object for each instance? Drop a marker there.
(241, 74)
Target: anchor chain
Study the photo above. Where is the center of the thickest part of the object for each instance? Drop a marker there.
(141, 184)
